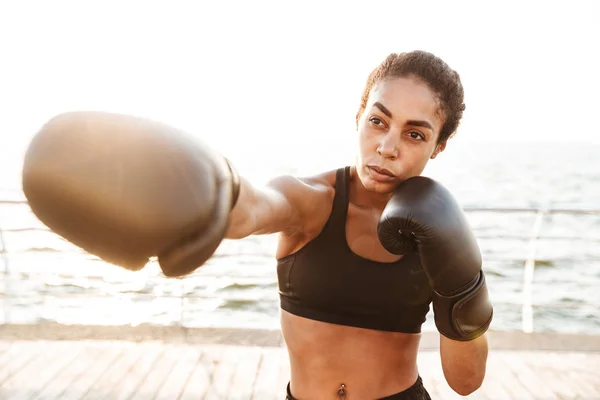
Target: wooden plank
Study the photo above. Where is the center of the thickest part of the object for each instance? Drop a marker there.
(52, 357)
(576, 369)
(17, 357)
(104, 357)
(53, 370)
(492, 387)
(589, 370)
(4, 346)
(202, 375)
(267, 378)
(223, 375)
(284, 374)
(159, 373)
(549, 374)
(127, 370)
(507, 377)
(76, 380)
(593, 371)
(528, 377)
(61, 382)
(151, 356)
(514, 383)
(176, 381)
(105, 386)
(555, 368)
(245, 373)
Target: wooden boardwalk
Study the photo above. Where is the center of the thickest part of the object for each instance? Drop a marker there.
(159, 369)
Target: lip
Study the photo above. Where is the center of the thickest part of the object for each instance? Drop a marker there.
(380, 174)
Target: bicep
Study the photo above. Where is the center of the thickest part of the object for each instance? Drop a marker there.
(275, 209)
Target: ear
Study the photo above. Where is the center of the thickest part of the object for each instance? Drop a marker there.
(438, 149)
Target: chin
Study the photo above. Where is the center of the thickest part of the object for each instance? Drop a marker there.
(380, 187)
(374, 186)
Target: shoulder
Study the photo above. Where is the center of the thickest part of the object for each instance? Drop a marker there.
(311, 197)
(321, 184)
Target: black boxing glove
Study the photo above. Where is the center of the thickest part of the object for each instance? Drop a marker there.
(127, 189)
(423, 216)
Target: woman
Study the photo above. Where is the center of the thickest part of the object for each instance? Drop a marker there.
(353, 299)
(329, 250)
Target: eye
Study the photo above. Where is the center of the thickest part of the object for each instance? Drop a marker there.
(376, 121)
(416, 135)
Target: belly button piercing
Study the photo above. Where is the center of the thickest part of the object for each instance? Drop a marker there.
(342, 391)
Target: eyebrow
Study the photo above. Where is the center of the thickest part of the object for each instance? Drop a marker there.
(388, 113)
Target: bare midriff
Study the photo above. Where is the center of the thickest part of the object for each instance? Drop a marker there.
(369, 364)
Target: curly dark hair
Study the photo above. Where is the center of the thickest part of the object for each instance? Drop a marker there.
(431, 70)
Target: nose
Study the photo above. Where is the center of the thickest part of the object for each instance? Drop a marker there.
(388, 147)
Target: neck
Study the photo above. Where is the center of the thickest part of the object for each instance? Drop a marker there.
(366, 198)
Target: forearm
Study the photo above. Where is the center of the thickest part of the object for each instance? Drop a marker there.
(241, 219)
(263, 210)
(464, 363)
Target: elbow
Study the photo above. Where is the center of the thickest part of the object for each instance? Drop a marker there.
(465, 387)
(465, 380)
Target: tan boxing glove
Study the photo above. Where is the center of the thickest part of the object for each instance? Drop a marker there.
(126, 189)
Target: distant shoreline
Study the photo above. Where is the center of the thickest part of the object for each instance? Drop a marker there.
(498, 340)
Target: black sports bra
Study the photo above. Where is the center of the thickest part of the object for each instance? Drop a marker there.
(327, 281)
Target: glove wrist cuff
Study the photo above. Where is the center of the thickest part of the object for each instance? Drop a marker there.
(235, 183)
(464, 315)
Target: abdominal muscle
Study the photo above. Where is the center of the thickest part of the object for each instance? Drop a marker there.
(370, 364)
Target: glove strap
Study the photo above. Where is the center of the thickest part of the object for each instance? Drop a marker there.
(235, 183)
(464, 315)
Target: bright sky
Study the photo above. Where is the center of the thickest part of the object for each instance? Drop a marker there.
(284, 76)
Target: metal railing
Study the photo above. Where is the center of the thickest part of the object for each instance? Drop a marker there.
(4, 255)
(528, 268)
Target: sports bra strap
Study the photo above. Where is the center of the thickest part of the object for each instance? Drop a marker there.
(337, 219)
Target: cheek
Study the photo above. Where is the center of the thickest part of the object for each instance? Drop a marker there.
(363, 141)
(368, 138)
(419, 159)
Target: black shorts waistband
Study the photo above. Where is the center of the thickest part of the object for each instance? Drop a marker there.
(416, 392)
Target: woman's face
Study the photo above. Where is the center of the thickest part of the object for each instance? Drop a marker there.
(397, 133)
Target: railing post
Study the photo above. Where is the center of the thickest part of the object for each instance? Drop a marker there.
(4, 251)
(182, 304)
(527, 313)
